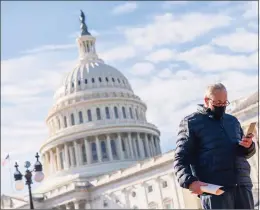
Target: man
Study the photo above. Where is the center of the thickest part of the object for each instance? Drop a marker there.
(211, 148)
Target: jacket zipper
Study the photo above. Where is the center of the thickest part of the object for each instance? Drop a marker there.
(223, 128)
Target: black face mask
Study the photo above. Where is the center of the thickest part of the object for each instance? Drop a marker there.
(218, 111)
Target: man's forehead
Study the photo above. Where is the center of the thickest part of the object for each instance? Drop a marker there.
(220, 94)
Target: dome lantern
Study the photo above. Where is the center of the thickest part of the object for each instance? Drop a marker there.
(86, 43)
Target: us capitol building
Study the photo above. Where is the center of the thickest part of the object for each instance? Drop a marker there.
(101, 152)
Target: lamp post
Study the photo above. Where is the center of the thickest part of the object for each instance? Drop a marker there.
(38, 176)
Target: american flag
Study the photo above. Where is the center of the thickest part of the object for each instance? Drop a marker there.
(5, 160)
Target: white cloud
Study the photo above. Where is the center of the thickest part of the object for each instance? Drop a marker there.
(239, 41)
(168, 29)
(127, 7)
(47, 48)
(118, 53)
(250, 10)
(142, 69)
(205, 58)
(160, 55)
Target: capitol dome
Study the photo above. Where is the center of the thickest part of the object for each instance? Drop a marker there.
(97, 124)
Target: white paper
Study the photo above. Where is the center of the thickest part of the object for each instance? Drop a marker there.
(212, 189)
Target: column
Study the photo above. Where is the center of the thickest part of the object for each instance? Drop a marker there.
(88, 151)
(58, 158)
(72, 160)
(76, 205)
(158, 144)
(157, 181)
(127, 201)
(87, 205)
(80, 154)
(144, 186)
(110, 155)
(179, 192)
(130, 145)
(120, 148)
(141, 147)
(98, 149)
(147, 145)
(152, 146)
(66, 155)
(176, 201)
(76, 152)
(52, 161)
(67, 206)
(135, 149)
(45, 165)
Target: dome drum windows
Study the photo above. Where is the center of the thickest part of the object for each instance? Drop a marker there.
(65, 122)
(104, 150)
(116, 112)
(72, 119)
(107, 113)
(80, 117)
(98, 113)
(89, 115)
(124, 112)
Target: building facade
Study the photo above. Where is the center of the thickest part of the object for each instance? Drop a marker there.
(101, 152)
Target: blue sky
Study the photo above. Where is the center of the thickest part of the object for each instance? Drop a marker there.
(169, 51)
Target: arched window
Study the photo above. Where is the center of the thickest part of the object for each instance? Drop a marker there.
(72, 119)
(113, 79)
(107, 79)
(104, 150)
(94, 151)
(84, 155)
(98, 114)
(86, 81)
(116, 112)
(118, 80)
(93, 80)
(123, 110)
(136, 112)
(72, 84)
(65, 122)
(80, 117)
(137, 148)
(100, 80)
(79, 82)
(107, 113)
(131, 113)
(145, 151)
(58, 120)
(113, 148)
(89, 115)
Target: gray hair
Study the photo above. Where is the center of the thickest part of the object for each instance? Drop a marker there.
(214, 87)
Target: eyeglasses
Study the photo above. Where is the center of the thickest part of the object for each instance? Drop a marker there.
(218, 103)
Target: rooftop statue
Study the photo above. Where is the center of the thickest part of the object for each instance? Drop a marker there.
(83, 26)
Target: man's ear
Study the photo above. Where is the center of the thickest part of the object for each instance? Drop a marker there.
(206, 102)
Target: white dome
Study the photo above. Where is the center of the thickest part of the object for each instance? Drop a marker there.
(92, 75)
(96, 124)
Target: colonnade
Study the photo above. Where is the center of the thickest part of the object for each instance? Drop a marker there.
(101, 148)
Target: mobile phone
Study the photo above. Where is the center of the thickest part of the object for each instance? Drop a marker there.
(251, 129)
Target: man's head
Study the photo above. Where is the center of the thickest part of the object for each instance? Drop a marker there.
(216, 99)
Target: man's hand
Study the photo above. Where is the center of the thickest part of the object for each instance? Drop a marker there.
(195, 187)
(246, 141)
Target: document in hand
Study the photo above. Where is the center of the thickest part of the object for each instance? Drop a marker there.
(212, 189)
